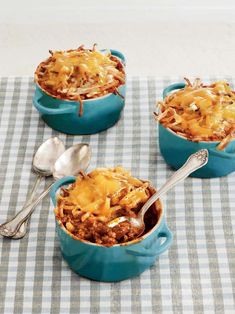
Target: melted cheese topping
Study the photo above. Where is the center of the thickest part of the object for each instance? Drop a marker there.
(200, 112)
(80, 74)
(89, 63)
(103, 189)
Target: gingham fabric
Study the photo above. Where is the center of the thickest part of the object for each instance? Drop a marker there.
(197, 273)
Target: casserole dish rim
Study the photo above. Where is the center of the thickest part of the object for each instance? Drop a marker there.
(186, 139)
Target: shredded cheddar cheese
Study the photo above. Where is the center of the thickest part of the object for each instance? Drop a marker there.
(200, 113)
(102, 192)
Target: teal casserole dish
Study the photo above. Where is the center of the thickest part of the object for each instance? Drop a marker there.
(98, 113)
(175, 149)
(114, 263)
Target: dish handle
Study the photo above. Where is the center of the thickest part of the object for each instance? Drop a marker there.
(155, 249)
(172, 87)
(58, 184)
(49, 111)
(118, 54)
(221, 153)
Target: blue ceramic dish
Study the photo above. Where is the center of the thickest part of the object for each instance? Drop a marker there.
(98, 114)
(113, 263)
(176, 149)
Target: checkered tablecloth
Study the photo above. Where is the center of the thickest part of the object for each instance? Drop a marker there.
(196, 275)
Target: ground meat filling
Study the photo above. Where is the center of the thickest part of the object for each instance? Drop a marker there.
(98, 232)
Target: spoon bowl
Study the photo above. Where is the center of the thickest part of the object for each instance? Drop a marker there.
(46, 156)
(72, 161)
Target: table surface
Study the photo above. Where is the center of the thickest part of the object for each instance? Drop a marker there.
(197, 273)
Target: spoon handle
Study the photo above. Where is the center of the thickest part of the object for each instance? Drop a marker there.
(10, 228)
(23, 228)
(193, 163)
(33, 191)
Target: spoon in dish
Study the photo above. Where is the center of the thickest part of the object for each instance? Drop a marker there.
(71, 162)
(194, 162)
(43, 162)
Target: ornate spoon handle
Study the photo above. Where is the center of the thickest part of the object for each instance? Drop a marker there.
(193, 163)
(10, 228)
(23, 228)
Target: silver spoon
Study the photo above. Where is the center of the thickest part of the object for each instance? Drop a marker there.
(71, 162)
(193, 163)
(43, 162)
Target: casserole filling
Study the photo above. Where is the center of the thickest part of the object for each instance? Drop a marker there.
(85, 207)
(200, 112)
(80, 74)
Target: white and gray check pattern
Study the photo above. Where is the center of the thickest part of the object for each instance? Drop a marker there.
(196, 275)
